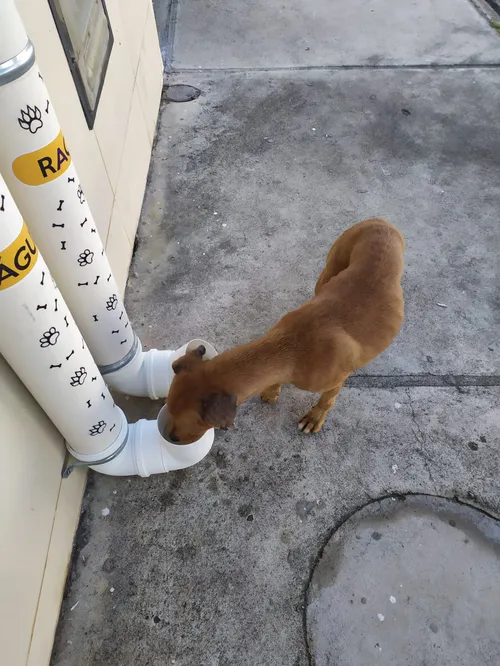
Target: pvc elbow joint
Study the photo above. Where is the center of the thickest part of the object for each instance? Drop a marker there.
(141, 450)
(149, 374)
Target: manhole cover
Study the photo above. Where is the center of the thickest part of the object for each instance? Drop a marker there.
(182, 93)
(408, 583)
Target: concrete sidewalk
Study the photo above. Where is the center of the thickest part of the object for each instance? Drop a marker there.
(314, 116)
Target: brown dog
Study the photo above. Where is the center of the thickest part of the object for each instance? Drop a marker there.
(356, 314)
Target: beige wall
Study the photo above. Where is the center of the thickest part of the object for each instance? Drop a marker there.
(31, 528)
(39, 512)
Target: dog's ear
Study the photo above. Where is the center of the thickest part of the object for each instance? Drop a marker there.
(219, 409)
(184, 363)
(199, 351)
(178, 366)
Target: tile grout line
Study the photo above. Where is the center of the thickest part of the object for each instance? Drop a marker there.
(39, 596)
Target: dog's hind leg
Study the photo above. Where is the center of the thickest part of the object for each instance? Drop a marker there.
(271, 394)
(314, 419)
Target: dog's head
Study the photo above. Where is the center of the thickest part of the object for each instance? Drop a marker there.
(193, 406)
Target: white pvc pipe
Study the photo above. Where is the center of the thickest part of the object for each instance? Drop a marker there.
(13, 38)
(147, 452)
(150, 373)
(37, 166)
(38, 169)
(42, 343)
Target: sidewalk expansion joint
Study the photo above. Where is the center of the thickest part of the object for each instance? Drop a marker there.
(422, 380)
(332, 68)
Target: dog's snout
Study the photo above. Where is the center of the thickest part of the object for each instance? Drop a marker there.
(173, 438)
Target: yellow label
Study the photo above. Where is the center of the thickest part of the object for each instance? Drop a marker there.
(43, 165)
(17, 260)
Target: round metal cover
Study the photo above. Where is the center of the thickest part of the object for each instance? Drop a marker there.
(182, 93)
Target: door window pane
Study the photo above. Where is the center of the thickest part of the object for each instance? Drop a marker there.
(85, 32)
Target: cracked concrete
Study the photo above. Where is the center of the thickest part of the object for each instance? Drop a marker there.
(249, 186)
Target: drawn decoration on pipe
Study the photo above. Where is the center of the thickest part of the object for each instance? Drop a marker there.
(85, 258)
(97, 428)
(31, 119)
(40, 174)
(78, 379)
(50, 337)
(112, 302)
(42, 343)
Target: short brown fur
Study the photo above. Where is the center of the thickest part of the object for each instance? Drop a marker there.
(356, 313)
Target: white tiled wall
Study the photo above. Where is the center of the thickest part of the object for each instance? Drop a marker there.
(38, 512)
(134, 168)
(113, 113)
(146, 84)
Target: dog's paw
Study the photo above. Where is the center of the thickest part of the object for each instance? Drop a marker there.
(271, 399)
(312, 421)
(271, 394)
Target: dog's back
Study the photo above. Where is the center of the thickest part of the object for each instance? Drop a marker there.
(358, 306)
(374, 247)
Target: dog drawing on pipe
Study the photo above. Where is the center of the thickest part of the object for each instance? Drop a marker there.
(356, 313)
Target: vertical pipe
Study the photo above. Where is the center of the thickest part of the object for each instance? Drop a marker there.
(13, 39)
(39, 339)
(41, 342)
(38, 169)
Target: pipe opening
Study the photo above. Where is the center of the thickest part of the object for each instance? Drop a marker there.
(162, 422)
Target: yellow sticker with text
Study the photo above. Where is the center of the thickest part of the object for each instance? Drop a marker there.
(17, 259)
(43, 165)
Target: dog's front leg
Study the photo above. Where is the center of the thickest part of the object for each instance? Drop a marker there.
(271, 394)
(314, 419)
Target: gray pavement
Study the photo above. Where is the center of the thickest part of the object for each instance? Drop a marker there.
(275, 33)
(249, 186)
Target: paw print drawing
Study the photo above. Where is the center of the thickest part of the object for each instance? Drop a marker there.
(112, 302)
(80, 195)
(79, 377)
(31, 119)
(85, 258)
(49, 338)
(97, 429)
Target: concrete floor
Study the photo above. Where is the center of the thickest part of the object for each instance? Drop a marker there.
(291, 33)
(249, 186)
